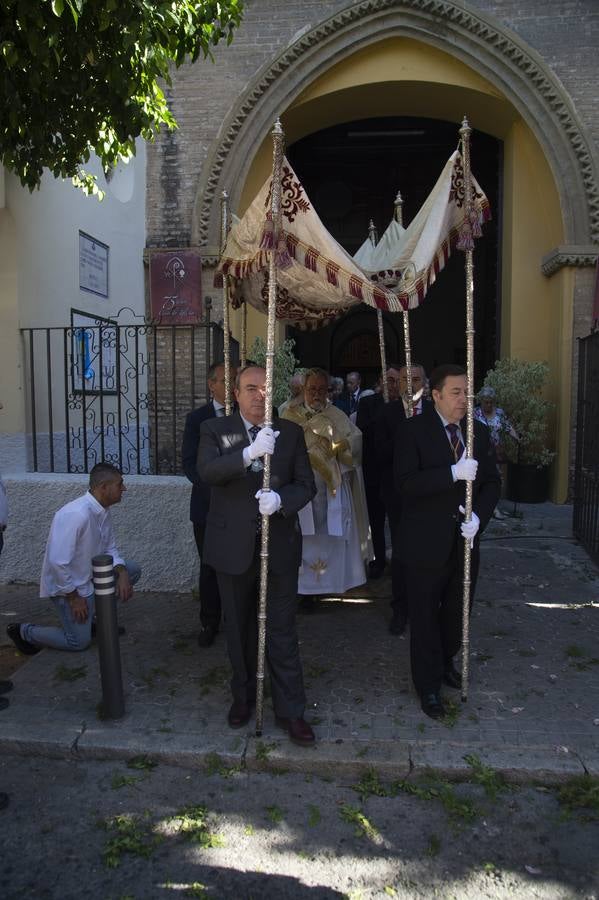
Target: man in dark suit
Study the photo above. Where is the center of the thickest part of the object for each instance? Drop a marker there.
(210, 606)
(349, 399)
(392, 414)
(431, 469)
(369, 409)
(230, 461)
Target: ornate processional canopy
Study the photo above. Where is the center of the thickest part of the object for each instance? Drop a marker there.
(316, 279)
(408, 260)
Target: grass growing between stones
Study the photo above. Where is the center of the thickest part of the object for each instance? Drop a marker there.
(130, 835)
(119, 781)
(263, 750)
(580, 795)
(192, 823)
(425, 788)
(215, 766)
(492, 782)
(70, 673)
(141, 762)
(363, 826)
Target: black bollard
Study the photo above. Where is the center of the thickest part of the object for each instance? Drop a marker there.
(107, 633)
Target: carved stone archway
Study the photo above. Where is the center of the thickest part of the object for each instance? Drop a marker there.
(477, 39)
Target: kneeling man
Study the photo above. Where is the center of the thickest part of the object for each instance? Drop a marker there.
(80, 530)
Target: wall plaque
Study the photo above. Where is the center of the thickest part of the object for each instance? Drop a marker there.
(176, 286)
(93, 265)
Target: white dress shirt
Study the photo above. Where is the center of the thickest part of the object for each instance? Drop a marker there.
(80, 530)
(219, 409)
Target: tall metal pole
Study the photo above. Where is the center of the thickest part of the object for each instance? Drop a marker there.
(372, 234)
(408, 354)
(243, 351)
(398, 215)
(467, 244)
(277, 162)
(224, 230)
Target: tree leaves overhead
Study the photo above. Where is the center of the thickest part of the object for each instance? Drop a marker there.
(78, 76)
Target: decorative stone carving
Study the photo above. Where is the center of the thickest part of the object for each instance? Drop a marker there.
(569, 256)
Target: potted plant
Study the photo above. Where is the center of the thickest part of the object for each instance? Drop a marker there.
(524, 436)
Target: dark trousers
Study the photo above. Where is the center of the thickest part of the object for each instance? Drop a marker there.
(435, 611)
(240, 602)
(399, 596)
(210, 606)
(376, 516)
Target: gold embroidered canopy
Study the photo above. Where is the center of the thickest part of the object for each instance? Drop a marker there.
(316, 279)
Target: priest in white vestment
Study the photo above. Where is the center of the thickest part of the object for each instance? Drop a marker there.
(335, 529)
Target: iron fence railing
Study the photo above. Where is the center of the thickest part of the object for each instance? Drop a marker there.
(101, 390)
(586, 470)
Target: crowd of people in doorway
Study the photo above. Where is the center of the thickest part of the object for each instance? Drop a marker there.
(347, 467)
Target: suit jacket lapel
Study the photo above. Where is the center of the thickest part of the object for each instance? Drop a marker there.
(441, 437)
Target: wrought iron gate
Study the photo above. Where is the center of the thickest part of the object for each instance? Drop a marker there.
(101, 390)
(586, 472)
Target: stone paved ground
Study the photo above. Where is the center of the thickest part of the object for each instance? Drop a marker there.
(533, 707)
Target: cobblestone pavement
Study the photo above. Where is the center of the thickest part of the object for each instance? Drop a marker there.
(532, 710)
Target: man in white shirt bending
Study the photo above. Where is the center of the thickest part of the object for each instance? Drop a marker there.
(80, 530)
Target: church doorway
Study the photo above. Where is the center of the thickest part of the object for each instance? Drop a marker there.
(352, 173)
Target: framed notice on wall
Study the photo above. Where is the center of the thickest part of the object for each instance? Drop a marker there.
(93, 265)
(176, 286)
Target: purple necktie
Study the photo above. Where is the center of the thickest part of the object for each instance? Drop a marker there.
(456, 441)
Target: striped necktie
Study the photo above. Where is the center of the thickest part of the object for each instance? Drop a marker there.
(456, 441)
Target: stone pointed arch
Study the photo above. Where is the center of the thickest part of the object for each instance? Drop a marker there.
(477, 39)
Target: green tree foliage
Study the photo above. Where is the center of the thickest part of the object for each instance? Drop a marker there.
(83, 76)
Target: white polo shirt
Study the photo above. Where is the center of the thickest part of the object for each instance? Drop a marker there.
(80, 530)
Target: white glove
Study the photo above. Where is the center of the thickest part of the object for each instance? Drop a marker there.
(264, 443)
(269, 502)
(464, 469)
(470, 529)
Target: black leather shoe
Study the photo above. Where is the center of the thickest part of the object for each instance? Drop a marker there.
(452, 678)
(398, 623)
(432, 705)
(375, 570)
(26, 647)
(5, 687)
(239, 714)
(206, 636)
(298, 730)
(94, 630)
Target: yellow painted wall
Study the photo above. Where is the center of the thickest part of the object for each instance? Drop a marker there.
(400, 76)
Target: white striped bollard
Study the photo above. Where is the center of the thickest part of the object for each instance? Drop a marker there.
(107, 632)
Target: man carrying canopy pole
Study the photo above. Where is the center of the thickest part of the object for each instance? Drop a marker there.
(431, 472)
(443, 468)
(238, 458)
